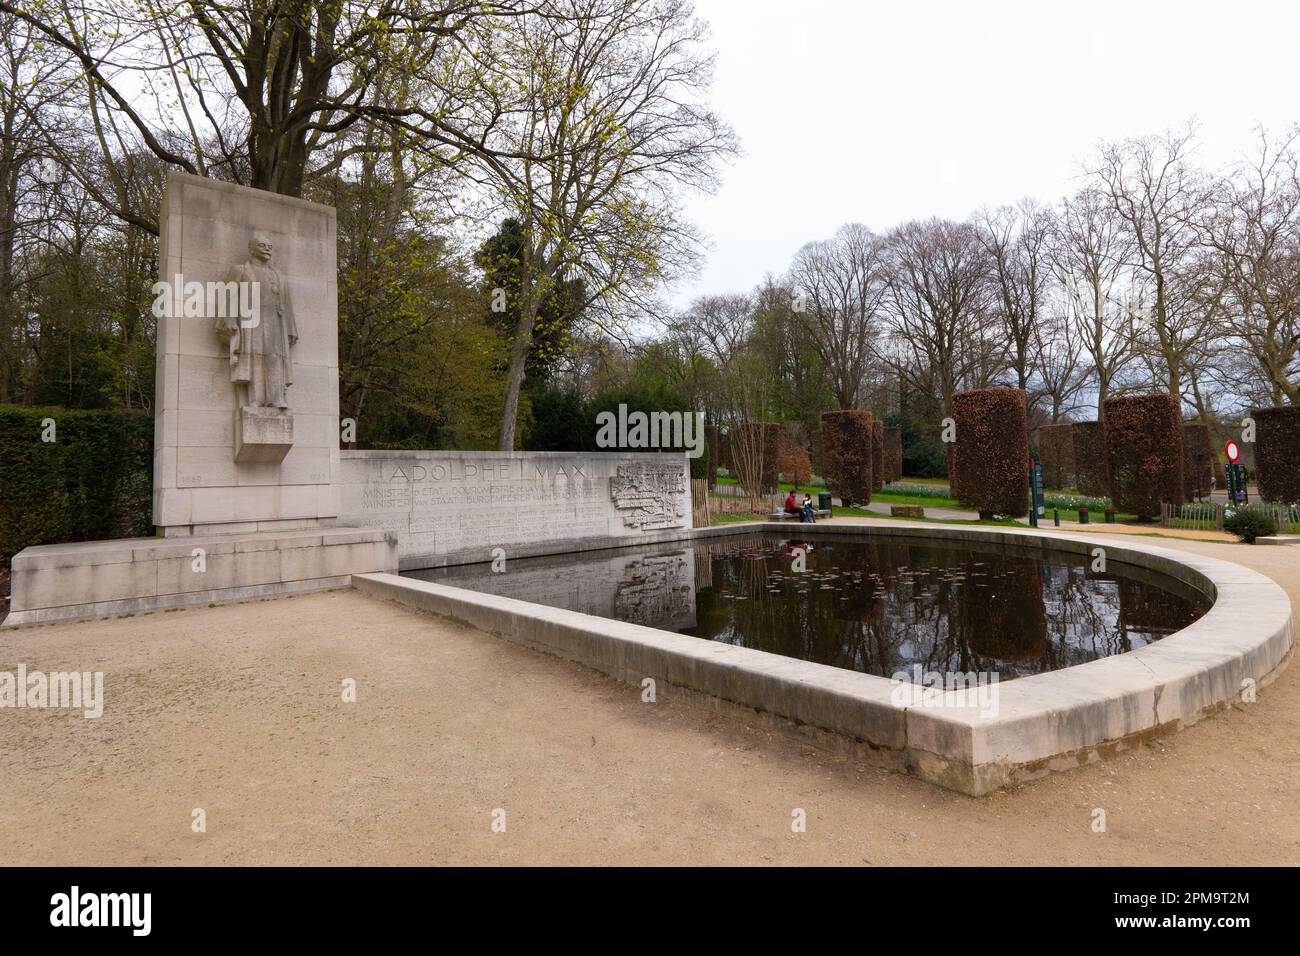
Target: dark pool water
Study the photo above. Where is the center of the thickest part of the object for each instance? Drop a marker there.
(881, 607)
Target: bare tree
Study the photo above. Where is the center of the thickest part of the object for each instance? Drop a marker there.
(1089, 254)
(1015, 239)
(939, 314)
(1058, 361)
(841, 286)
(1254, 232)
(1161, 198)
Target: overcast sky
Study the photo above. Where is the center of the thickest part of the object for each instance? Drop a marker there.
(881, 112)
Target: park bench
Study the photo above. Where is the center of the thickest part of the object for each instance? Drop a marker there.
(784, 516)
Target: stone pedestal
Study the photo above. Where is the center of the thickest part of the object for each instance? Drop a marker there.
(262, 434)
(68, 582)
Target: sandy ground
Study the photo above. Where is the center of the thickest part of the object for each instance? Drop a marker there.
(238, 711)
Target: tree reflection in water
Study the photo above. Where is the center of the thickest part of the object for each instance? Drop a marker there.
(882, 606)
(879, 606)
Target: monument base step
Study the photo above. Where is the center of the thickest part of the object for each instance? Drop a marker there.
(90, 579)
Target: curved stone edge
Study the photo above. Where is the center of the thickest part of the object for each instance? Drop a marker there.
(1044, 723)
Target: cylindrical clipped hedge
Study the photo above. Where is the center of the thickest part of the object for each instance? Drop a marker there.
(1197, 473)
(1144, 446)
(714, 441)
(991, 454)
(755, 454)
(893, 453)
(877, 455)
(1277, 453)
(846, 454)
(1091, 473)
(1056, 454)
(952, 471)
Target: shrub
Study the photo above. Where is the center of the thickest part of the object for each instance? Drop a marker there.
(1144, 445)
(893, 453)
(846, 440)
(713, 442)
(991, 454)
(1197, 475)
(94, 481)
(877, 455)
(794, 466)
(952, 471)
(1056, 454)
(1091, 473)
(1248, 524)
(1075, 502)
(1277, 453)
(755, 450)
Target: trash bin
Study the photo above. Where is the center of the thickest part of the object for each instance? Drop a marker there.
(824, 501)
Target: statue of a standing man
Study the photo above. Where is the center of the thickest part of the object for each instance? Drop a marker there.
(260, 363)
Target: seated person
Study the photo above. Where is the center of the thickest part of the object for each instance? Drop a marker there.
(809, 512)
(791, 508)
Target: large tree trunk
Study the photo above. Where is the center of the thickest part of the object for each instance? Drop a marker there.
(515, 372)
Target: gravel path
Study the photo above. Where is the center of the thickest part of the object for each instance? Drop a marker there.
(238, 711)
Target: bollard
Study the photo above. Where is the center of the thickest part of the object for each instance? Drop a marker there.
(1056, 517)
(1110, 516)
(1083, 516)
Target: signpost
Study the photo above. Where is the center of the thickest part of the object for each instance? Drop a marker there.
(1235, 473)
(1035, 494)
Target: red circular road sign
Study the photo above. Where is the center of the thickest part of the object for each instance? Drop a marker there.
(1230, 449)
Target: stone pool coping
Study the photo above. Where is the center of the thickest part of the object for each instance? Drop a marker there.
(1044, 722)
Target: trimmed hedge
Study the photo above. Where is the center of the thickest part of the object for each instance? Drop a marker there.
(991, 454)
(1277, 453)
(95, 481)
(952, 471)
(1144, 446)
(846, 452)
(1196, 441)
(756, 445)
(794, 466)
(714, 442)
(877, 455)
(1056, 454)
(893, 453)
(1091, 473)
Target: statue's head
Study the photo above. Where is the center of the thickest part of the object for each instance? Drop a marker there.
(260, 248)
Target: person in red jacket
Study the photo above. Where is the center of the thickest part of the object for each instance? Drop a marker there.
(792, 506)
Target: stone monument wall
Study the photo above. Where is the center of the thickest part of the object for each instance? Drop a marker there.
(449, 507)
(200, 487)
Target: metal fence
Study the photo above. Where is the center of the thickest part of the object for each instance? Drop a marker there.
(1208, 515)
